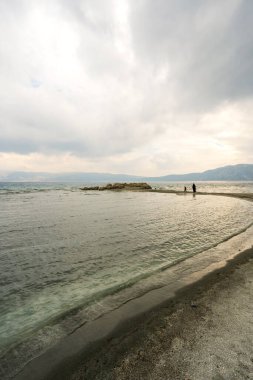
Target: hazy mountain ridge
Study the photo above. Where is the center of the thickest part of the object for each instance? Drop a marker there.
(240, 172)
(66, 177)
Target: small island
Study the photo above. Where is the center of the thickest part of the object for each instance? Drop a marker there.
(120, 186)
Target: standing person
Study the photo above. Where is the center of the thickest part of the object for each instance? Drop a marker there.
(194, 187)
(185, 189)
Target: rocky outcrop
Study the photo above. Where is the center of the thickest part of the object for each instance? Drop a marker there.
(120, 186)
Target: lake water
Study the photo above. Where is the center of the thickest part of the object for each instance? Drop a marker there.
(63, 252)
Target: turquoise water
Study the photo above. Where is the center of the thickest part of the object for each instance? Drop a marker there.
(64, 250)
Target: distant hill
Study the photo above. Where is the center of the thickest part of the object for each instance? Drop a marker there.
(241, 172)
(66, 177)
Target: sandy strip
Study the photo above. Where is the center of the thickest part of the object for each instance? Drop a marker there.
(246, 196)
(206, 333)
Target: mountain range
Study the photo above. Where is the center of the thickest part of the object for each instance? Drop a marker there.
(240, 172)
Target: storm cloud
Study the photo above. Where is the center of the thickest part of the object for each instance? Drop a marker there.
(137, 86)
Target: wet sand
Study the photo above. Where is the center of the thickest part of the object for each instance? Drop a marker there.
(203, 329)
(205, 333)
(246, 196)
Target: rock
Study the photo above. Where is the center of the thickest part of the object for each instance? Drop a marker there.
(121, 186)
(90, 188)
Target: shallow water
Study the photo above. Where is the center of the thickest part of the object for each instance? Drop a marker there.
(66, 250)
(209, 187)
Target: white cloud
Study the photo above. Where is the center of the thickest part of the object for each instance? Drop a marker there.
(137, 87)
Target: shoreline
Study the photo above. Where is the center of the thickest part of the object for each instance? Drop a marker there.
(245, 196)
(204, 333)
(62, 360)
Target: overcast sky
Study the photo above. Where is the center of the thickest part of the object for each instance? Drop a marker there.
(148, 87)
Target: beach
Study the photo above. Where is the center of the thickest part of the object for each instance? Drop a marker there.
(205, 333)
(198, 326)
(194, 322)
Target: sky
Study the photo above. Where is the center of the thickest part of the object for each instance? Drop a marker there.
(144, 87)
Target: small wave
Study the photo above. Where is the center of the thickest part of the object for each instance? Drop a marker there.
(23, 191)
(16, 191)
(98, 296)
(91, 195)
(10, 231)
